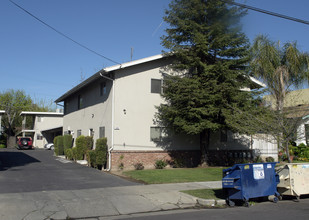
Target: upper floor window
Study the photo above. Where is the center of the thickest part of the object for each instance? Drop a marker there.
(103, 89)
(156, 86)
(80, 103)
(66, 106)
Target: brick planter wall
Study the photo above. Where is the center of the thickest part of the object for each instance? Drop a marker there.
(127, 159)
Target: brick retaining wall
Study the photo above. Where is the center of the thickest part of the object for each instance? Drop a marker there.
(127, 159)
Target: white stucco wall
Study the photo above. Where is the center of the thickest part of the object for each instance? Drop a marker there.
(135, 110)
(301, 135)
(44, 123)
(96, 114)
(263, 145)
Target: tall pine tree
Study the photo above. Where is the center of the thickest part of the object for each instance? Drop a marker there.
(211, 54)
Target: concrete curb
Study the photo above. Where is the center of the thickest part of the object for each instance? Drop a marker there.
(210, 202)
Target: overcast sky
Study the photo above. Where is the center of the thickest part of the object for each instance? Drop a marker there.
(45, 65)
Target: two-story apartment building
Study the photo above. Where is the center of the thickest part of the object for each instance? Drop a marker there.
(119, 102)
(45, 126)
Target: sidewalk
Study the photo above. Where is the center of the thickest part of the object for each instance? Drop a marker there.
(100, 203)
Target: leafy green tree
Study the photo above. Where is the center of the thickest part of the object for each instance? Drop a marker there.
(281, 68)
(13, 102)
(211, 55)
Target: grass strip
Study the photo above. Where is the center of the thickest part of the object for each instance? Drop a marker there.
(179, 175)
(216, 194)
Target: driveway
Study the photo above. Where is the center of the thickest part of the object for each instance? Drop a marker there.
(39, 170)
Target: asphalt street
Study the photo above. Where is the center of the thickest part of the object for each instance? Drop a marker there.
(283, 210)
(39, 170)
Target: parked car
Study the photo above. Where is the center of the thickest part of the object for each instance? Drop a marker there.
(49, 146)
(24, 143)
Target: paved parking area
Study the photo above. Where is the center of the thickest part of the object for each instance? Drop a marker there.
(39, 170)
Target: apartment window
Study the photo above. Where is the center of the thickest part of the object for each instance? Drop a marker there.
(155, 134)
(156, 86)
(66, 107)
(91, 132)
(223, 135)
(103, 88)
(80, 102)
(79, 133)
(101, 132)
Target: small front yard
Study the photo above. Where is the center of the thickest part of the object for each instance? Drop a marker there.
(179, 175)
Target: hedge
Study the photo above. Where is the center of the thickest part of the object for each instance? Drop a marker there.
(81, 147)
(58, 145)
(101, 152)
(67, 141)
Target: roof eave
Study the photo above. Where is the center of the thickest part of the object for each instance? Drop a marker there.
(105, 71)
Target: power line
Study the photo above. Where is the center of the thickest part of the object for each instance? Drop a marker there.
(266, 12)
(62, 34)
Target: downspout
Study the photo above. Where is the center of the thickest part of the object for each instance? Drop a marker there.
(113, 107)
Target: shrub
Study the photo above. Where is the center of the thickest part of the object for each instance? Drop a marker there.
(69, 153)
(2, 146)
(258, 159)
(60, 145)
(101, 152)
(77, 154)
(139, 166)
(56, 145)
(81, 146)
(270, 159)
(121, 166)
(91, 158)
(178, 163)
(67, 141)
(160, 164)
(89, 142)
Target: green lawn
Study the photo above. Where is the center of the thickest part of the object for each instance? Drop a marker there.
(206, 193)
(178, 175)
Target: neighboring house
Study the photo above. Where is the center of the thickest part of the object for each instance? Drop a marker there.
(1, 113)
(46, 125)
(297, 104)
(119, 102)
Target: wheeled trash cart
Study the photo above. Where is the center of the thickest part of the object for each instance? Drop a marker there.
(246, 181)
(294, 179)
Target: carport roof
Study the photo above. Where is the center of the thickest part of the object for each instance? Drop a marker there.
(42, 113)
(2, 112)
(52, 129)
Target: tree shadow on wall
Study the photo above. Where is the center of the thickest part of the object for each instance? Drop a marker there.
(182, 149)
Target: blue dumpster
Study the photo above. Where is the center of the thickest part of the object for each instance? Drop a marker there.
(246, 181)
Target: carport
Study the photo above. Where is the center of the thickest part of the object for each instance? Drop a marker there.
(50, 134)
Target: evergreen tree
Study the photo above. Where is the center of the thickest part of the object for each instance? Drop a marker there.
(211, 54)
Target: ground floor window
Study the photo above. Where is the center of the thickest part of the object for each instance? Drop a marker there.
(79, 133)
(101, 132)
(155, 134)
